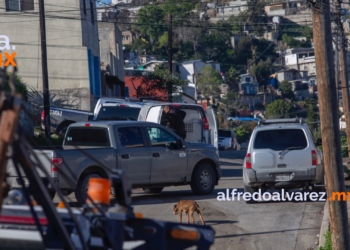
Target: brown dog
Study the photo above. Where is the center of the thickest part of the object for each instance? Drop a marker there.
(189, 207)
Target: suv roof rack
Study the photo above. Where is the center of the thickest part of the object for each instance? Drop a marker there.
(285, 120)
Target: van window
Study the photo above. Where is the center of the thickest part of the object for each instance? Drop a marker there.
(280, 139)
(117, 113)
(88, 136)
(224, 133)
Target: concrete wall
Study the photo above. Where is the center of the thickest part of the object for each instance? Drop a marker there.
(69, 35)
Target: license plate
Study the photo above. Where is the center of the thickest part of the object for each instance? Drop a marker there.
(282, 177)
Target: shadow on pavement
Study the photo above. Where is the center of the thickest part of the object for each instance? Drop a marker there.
(219, 222)
(174, 196)
(232, 172)
(268, 232)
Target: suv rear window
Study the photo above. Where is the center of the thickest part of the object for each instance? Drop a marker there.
(116, 113)
(280, 139)
(91, 137)
(224, 133)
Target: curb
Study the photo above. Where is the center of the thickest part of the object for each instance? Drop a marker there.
(324, 226)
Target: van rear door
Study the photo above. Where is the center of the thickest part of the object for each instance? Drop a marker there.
(154, 114)
(213, 129)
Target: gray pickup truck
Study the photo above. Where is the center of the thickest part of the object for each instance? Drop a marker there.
(151, 155)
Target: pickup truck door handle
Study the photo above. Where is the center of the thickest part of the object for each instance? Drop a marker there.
(125, 156)
(155, 154)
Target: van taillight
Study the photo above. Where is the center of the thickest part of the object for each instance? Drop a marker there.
(55, 162)
(205, 123)
(248, 161)
(314, 157)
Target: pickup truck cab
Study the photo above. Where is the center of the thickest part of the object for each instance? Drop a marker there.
(151, 155)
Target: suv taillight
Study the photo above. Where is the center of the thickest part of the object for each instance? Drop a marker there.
(55, 162)
(314, 157)
(248, 161)
(205, 123)
(233, 140)
(43, 115)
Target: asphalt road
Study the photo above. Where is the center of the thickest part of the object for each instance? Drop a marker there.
(263, 225)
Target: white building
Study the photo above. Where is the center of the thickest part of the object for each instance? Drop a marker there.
(302, 59)
(189, 71)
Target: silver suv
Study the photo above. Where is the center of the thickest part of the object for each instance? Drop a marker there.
(282, 155)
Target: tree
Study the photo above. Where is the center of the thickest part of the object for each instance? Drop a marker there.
(256, 17)
(262, 71)
(232, 79)
(278, 109)
(311, 114)
(208, 82)
(150, 21)
(287, 89)
(154, 84)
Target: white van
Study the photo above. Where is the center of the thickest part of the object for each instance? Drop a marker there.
(200, 125)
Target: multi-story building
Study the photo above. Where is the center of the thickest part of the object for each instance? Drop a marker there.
(73, 58)
(112, 63)
(302, 59)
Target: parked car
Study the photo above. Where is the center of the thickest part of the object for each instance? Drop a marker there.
(227, 139)
(282, 155)
(151, 155)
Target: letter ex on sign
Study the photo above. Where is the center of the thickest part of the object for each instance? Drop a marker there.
(6, 58)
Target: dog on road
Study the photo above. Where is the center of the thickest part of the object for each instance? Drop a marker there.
(189, 207)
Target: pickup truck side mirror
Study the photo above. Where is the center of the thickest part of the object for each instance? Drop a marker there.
(90, 117)
(319, 142)
(180, 144)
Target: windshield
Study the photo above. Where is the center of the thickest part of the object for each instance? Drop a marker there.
(224, 133)
(116, 113)
(87, 136)
(280, 139)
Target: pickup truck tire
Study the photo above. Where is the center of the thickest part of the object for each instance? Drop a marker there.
(81, 189)
(155, 190)
(203, 179)
(251, 190)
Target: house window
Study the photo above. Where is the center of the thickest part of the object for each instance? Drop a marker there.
(302, 55)
(247, 79)
(311, 54)
(92, 12)
(19, 5)
(123, 38)
(84, 6)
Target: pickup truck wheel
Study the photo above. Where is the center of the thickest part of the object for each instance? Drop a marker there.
(82, 187)
(153, 190)
(203, 181)
(251, 190)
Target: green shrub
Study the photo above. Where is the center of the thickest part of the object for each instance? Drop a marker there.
(328, 242)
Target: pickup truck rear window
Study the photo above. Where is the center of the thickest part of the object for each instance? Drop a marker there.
(280, 139)
(91, 137)
(116, 113)
(224, 133)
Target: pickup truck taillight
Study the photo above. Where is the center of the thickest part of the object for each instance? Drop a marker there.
(314, 157)
(205, 123)
(248, 161)
(55, 162)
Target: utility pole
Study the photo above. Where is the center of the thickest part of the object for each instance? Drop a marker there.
(46, 93)
(343, 72)
(336, 59)
(170, 55)
(328, 106)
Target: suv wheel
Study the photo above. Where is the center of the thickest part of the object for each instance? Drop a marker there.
(82, 188)
(203, 180)
(251, 190)
(155, 190)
